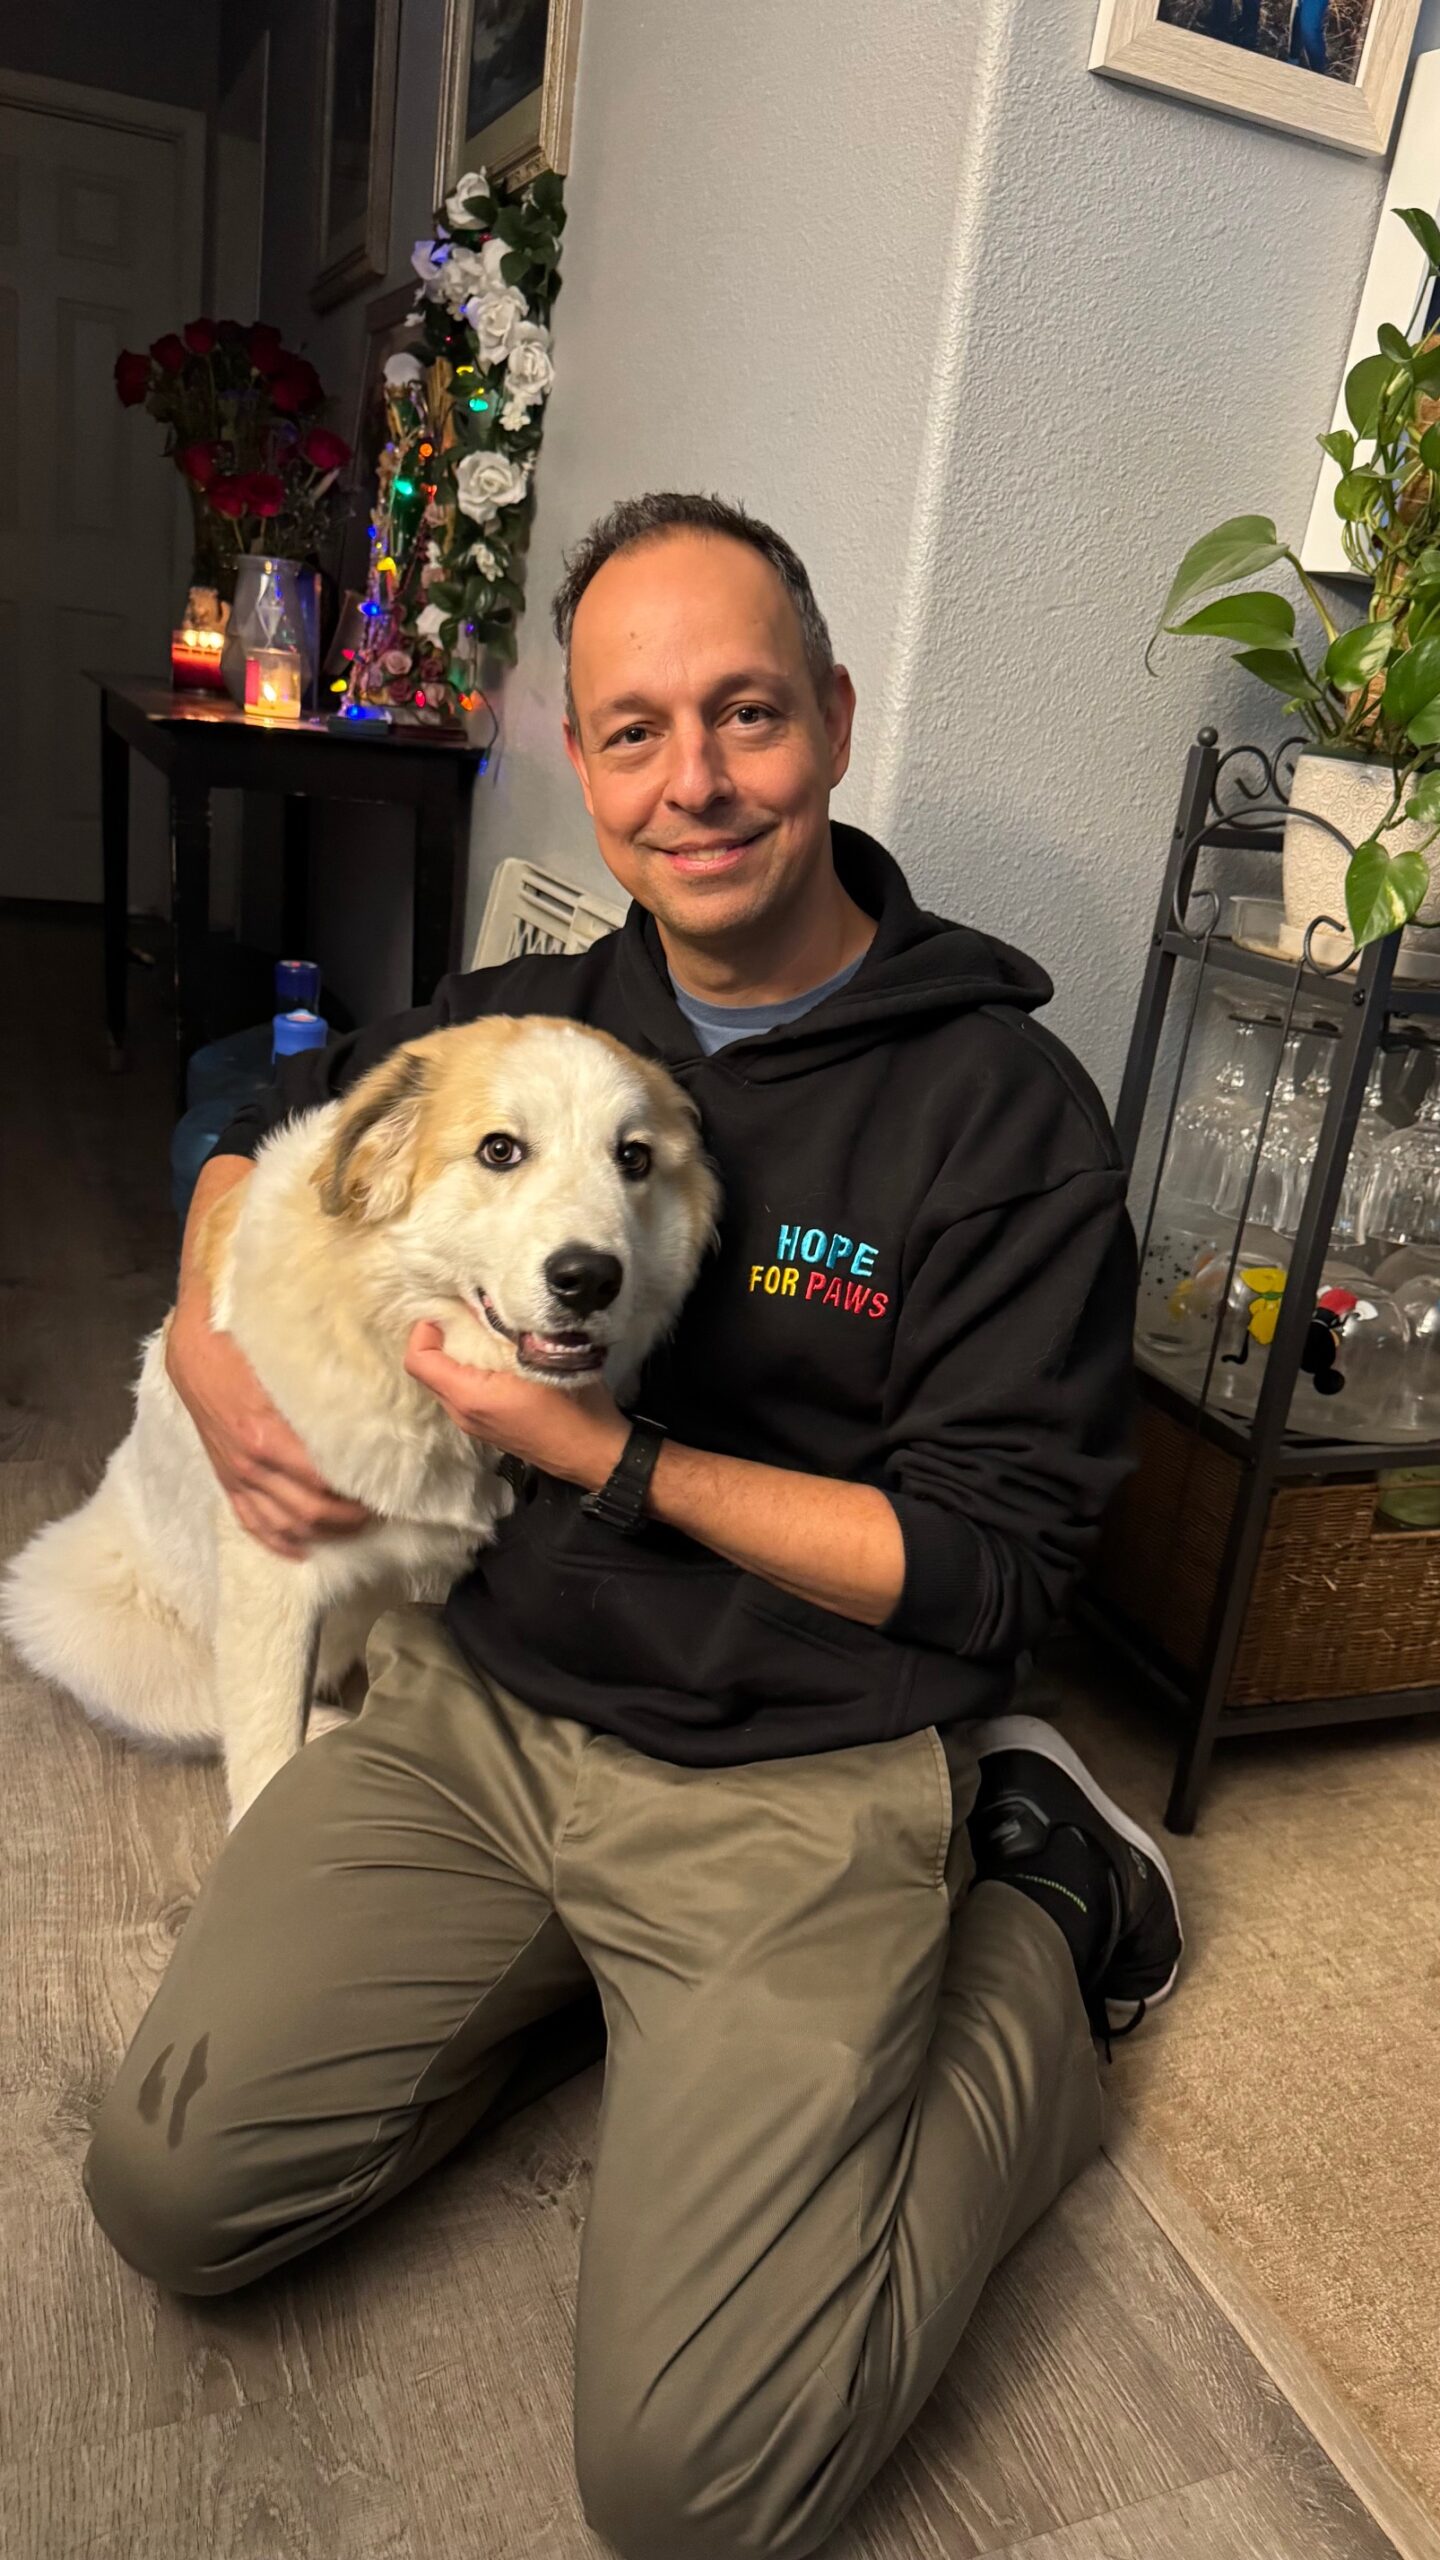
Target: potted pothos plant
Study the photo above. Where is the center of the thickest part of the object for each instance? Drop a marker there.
(1366, 698)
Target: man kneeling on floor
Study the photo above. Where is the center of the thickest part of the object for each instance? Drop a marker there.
(730, 1751)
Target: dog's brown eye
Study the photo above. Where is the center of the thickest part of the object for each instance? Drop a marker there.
(633, 1158)
(500, 1150)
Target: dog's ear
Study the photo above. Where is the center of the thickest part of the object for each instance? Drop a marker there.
(367, 1171)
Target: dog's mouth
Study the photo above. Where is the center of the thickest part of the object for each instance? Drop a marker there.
(546, 1355)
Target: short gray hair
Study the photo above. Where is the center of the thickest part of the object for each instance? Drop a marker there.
(634, 521)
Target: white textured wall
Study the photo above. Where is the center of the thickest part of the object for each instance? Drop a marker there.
(754, 273)
(991, 340)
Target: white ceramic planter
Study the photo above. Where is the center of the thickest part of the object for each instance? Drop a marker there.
(1354, 796)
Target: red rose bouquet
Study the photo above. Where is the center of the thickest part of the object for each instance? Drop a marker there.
(242, 421)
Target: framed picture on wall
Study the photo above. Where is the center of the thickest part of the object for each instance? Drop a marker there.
(507, 89)
(1395, 290)
(1331, 69)
(355, 145)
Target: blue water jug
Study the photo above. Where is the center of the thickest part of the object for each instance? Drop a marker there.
(229, 1073)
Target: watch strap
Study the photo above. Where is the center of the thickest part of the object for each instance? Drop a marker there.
(620, 1500)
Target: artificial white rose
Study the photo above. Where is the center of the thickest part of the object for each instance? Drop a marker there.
(430, 622)
(513, 415)
(403, 369)
(481, 557)
(461, 278)
(492, 258)
(494, 317)
(457, 209)
(486, 482)
(529, 374)
(429, 260)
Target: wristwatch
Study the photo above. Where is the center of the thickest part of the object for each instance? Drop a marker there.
(620, 1500)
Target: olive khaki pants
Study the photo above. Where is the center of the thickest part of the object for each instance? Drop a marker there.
(841, 2078)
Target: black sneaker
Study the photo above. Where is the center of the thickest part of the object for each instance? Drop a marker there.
(1032, 1785)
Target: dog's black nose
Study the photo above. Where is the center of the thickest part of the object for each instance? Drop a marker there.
(582, 1280)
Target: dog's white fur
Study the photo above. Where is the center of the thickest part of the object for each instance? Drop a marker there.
(150, 1603)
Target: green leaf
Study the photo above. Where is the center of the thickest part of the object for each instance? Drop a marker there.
(1393, 342)
(1359, 654)
(1425, 372)
(1282, 668)
(1426, 572)
(1340, 445)
(1364, 384)
(1424, 729)
(1429, 448)
(1413, 681)
(1355, 494)
(1424, 801)
(1424, 227)
(1239, 548)
(513, 265)
(1382, 890)
(1255, 617)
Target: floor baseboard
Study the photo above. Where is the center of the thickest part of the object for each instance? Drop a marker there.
(1379, 2489)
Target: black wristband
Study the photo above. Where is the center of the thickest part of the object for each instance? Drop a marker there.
(620, 1500)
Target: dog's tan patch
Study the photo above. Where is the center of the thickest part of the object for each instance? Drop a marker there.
(368, 1170)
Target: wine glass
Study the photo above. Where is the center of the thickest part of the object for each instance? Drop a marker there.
(1400, 1205)
(1209, 1117)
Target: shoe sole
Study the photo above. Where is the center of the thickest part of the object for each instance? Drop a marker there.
(1028, 1733)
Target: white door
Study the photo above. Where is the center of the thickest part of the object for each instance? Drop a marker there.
(94, 256)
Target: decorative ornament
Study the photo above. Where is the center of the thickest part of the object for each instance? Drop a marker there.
(463, 411)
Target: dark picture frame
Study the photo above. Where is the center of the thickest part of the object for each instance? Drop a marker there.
(355, 146)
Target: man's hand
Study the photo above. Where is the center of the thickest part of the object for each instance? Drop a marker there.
(575, 1433)
(263, 1467)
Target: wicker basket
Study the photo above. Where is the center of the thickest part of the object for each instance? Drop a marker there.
(1342, 1604)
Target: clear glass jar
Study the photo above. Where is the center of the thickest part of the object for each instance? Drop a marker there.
(268, 613)
(1351, 1382)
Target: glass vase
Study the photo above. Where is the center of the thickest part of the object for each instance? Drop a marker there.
(267, 613)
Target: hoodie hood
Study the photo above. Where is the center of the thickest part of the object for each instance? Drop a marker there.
(918, 968)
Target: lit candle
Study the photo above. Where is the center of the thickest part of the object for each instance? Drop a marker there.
(195, 660)
(272, 683)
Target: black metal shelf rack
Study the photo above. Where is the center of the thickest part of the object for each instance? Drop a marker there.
(1230, 804)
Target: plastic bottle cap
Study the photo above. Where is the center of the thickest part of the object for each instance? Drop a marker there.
(297, 1031)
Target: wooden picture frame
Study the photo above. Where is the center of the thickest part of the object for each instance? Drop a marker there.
(1393, 282)
(1134, 42)
(359, 65)
(531, 133)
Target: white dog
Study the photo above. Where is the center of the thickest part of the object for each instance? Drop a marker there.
(529, 1185)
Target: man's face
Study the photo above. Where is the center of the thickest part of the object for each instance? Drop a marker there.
(706, 761)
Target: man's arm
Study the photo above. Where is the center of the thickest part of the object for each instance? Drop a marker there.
(261, 1463)
(1009, 1408)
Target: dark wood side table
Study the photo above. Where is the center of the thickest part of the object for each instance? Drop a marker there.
(203, 742)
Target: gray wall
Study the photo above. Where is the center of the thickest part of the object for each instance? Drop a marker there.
(166, 49)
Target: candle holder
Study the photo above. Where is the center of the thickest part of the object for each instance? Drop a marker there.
(274, 679)
(195, 660)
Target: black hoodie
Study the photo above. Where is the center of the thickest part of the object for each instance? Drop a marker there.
(925, 1282)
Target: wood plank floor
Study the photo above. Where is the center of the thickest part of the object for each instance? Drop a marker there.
(403, 2394)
